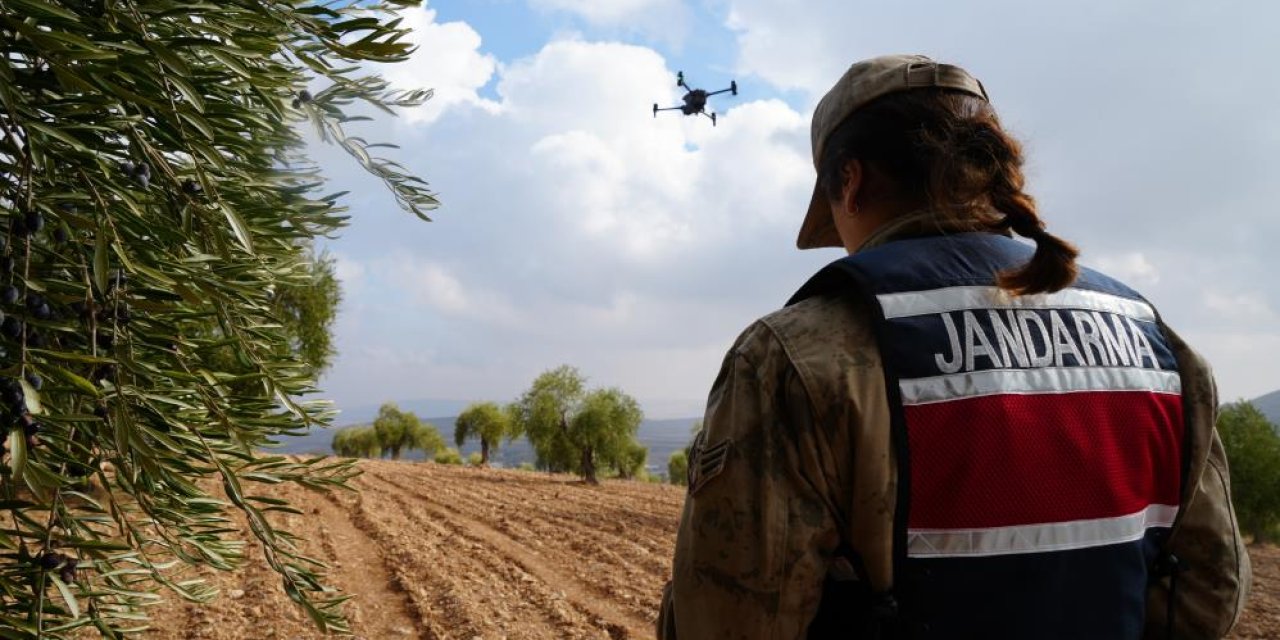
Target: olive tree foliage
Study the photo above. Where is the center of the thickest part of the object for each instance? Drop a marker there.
(489, 423)
(356, 442)
(393, 433)
(1253, 453)
(572, 429)
(678, 461)
(678, 467)
(156, 217)
(398, 431)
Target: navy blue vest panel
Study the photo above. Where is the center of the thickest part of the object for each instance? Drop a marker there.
(1039, 440)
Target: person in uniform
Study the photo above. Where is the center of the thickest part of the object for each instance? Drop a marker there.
(954, 431)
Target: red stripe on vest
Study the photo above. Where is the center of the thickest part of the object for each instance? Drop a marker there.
(1007, 460)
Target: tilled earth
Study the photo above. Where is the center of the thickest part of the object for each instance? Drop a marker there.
(430, 551)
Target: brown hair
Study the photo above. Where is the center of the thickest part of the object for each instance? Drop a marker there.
(946, 150)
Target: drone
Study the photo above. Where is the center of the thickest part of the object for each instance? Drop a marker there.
(695, 101)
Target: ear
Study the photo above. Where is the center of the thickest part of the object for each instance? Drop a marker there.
(853, 175)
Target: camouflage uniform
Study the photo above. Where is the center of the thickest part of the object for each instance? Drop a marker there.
(795, 458)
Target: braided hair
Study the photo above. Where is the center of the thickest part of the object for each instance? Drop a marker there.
(945, 150)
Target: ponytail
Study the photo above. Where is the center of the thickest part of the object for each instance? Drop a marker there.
(946, 151)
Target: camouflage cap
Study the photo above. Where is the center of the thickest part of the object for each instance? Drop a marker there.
(863, 82)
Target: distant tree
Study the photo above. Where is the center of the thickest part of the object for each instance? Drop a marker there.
(396, 430)
(475, 459)
(1253, 452)
(356, 442)
(307, 307)
(447, 455)
(573, 429)
(426, 438)
(678, 462)
(628, 462)
(678, 467)
(486, 421)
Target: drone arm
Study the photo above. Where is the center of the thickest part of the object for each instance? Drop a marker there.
(716, 93)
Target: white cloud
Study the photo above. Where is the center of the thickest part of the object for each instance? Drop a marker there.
(663, 20)
(447, 60)
(1249, 308)
(1132, 268)
(349, 272)
(578, 228)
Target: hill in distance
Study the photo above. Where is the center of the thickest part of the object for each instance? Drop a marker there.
(1269, 405)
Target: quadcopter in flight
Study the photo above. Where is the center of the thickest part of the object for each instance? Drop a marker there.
(695, 101)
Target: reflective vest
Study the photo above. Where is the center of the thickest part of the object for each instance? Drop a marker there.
(1039, 441)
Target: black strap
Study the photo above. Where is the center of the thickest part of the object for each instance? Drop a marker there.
(1169, 565)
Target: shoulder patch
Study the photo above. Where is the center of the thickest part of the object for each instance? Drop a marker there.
(707, 463)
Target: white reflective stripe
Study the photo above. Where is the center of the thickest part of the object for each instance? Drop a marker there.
(976, 384)
(916, 303)
(1037, 538)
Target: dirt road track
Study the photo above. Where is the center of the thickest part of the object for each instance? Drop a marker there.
(437, 552)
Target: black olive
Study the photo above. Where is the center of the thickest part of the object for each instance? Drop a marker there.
(34, 300)
(50, 560)
(4, 242)
(191, 187)
(296, 103)
(6, 264)
(34, 380)
(34, 221)
(43, 312)
(9, 294)
(66, 207)
(101, 411)
(68, 571)
(106, 340)
(60, 235)
(32, 429)
(11, 327)
(20, 229)
(304, 96)
(36, 339)
(123, 316)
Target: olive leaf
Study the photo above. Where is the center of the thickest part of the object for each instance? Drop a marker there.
(164, 312)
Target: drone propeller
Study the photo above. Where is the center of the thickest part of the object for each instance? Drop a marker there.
(655, 109)
(679, 78)
(733, 86)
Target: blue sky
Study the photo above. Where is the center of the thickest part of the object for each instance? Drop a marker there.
(575, 228)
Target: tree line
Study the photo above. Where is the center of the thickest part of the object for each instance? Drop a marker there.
(572, 429)
(1252, 444)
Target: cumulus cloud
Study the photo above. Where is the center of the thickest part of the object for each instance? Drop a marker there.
(447, 60)
(586, 231)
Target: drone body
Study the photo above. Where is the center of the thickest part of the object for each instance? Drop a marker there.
(695, 101)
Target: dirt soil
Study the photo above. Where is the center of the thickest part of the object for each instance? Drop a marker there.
(437, 552)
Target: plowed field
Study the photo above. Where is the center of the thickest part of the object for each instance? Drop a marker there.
(430, 551)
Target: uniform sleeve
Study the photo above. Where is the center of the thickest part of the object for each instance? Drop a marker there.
(1215, 579)
(755, 537)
